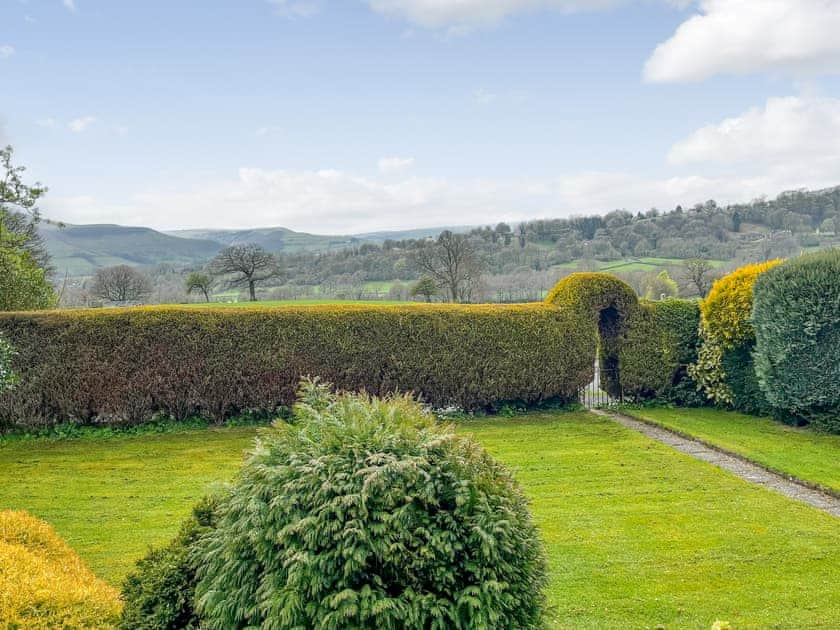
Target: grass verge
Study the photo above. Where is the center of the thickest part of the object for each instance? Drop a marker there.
(796, 452)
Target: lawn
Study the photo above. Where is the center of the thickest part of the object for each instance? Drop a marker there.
(637, 535)
(798, 452)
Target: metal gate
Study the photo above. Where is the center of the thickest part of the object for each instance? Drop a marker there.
(593, 395)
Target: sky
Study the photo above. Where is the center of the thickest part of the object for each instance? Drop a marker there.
(346, 116)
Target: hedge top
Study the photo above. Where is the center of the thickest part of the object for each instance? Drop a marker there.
(592, 292)
(726, 312)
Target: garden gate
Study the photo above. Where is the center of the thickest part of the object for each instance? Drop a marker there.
(593, 396)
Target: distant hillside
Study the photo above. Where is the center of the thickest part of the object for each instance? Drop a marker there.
(80, 250)
(284, 240)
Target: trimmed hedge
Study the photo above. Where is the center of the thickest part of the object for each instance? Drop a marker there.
(43, 582)
(660, 342)
(727, 310)
(797, 322)
(603, 305)
(123, 365)
(725, 366)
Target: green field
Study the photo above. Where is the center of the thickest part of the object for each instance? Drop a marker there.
(637, 534)
(797, 452)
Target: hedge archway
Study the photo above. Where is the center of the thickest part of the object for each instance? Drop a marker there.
(607, 303)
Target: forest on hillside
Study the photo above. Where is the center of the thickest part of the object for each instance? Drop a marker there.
(519, 262)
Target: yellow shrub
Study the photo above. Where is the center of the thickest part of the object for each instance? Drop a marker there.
(44, 584)
(726, 312)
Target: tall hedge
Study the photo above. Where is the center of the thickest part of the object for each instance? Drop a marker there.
(725, 366)
(660, 342)
(122, 365)
(603, 306)
(796, 315)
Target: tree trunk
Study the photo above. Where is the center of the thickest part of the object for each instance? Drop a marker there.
(206, 295)
(252, 291)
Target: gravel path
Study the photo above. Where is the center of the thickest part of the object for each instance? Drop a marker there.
(732, 463)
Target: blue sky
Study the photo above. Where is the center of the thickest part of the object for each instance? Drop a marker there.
(354, 115)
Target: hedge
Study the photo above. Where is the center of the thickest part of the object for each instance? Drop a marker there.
(725, 366)
(44, 584)
(797, 323)
(123, 365)
(660, 342)
(602, 304)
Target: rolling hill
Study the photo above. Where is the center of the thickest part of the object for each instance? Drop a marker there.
(79, 250)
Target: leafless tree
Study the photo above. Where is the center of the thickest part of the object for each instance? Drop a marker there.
(120, 284)
(245, 264)
(698, 274)
(453, 263)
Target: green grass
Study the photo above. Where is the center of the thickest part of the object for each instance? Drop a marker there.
(798, 452)
(637, 535)
(111, 498)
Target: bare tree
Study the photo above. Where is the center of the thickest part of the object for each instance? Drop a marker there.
(698, 274)
(245, 264)
(120, 284)
(200, 282)
(452, 263)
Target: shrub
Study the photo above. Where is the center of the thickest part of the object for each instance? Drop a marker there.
(725, 367)
(44, 584)
(797, 323)
(365, 513)
(159, 594)
(727, 310)
(123, 365)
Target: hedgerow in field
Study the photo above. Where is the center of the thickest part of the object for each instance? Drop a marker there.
(367, 514)
(797, 323)
(44, 584)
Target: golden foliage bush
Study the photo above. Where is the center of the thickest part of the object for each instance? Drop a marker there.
(44, 584)
(726, 312)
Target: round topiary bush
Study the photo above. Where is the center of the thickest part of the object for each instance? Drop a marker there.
(797, 324)
(367, 514)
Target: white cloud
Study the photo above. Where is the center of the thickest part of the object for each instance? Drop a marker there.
(70, 5)
(746, 36)
(6, 51)
(786, 131)
(47, 123)
(395, 164)
(331, 201)
(79, 125)
(462, 15)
